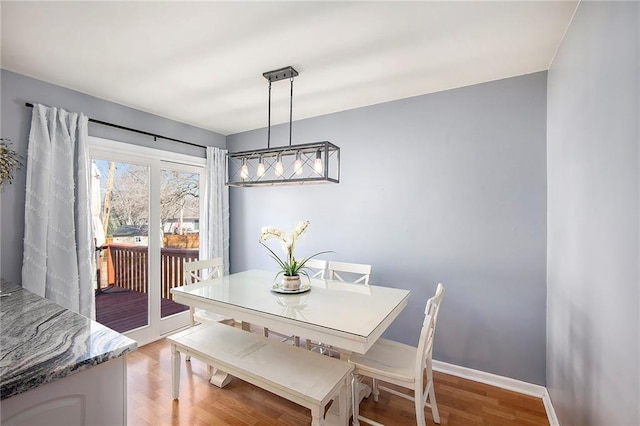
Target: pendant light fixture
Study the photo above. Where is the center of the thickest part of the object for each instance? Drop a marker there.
(317, 162)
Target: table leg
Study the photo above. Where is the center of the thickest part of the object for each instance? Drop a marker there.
(355, 400)
(220, 379)
(192, 323)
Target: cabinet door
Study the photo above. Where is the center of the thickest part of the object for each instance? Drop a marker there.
(96, 396)
(65, 410)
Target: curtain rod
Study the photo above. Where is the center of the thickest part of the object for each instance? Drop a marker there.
(117, 126)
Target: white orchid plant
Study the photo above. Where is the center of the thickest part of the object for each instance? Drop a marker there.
(289, 266)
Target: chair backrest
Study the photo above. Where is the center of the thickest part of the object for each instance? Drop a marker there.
(199, 270)
(352, 272)
(316, 267)
(425, 345)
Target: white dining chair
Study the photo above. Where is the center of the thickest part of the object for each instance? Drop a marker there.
(315, 268)
(402, 365)
(194, 272)
(356, 273)
(199, 270)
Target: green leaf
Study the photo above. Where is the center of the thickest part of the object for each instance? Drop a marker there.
(283, 265)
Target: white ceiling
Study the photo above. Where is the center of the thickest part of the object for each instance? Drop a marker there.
(201, 63)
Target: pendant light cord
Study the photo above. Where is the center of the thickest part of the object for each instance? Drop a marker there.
(269, 118)
(290, 110)
(277, 75)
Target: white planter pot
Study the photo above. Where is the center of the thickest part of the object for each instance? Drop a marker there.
(291, 283)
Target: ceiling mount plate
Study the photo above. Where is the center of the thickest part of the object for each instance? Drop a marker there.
(281, 74)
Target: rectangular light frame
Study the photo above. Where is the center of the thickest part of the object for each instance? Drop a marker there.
(329, 155)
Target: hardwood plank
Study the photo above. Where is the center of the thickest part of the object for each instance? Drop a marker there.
(460, 401)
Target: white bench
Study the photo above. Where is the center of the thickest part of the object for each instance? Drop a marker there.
(303, 377)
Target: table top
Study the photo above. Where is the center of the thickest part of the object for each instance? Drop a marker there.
(41, 341)
(350, 311)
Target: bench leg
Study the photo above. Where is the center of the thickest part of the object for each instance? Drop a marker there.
(339, 412)
(317, 416)
(175, 372)
(343, 400)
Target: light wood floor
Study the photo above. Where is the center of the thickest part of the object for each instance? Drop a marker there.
(461, 402)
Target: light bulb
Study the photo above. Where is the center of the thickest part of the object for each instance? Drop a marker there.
(244, 170)
(279, 170)
(297, 166)
(317, 165)
(260, 170)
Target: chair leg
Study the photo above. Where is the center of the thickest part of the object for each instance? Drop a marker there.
(433, 403)
(375, 390)
(432, 393)
(296, 340)
(418, 398)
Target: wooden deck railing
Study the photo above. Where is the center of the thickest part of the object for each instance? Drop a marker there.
(172, 264)
(128, 267)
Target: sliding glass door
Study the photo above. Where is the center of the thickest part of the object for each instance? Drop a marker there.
(148, 208)
(180, 208)
(122, 288)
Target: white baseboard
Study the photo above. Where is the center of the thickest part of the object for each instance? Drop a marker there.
(501, 382)
(548, 406)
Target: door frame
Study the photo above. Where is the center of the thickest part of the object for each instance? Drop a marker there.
(156, 160)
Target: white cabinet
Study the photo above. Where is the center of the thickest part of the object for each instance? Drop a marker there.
(95, 396)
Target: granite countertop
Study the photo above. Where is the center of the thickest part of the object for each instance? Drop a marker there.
(41, 341)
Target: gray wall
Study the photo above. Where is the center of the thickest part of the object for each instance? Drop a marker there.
(444, 187)
(17, 89)
(593, 295)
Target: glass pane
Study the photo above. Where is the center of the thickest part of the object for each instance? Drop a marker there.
(180, 218)
(120, 207)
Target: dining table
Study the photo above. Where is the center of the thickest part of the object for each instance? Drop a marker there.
(349, 317)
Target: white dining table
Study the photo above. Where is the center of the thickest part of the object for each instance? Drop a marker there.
(347, 316)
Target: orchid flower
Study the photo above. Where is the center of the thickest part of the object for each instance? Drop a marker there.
(290, 266)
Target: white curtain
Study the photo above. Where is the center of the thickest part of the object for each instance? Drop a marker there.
(58, 258)
(217, 207)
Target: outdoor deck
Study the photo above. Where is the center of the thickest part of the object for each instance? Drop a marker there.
(121, 304)
(122, 310)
